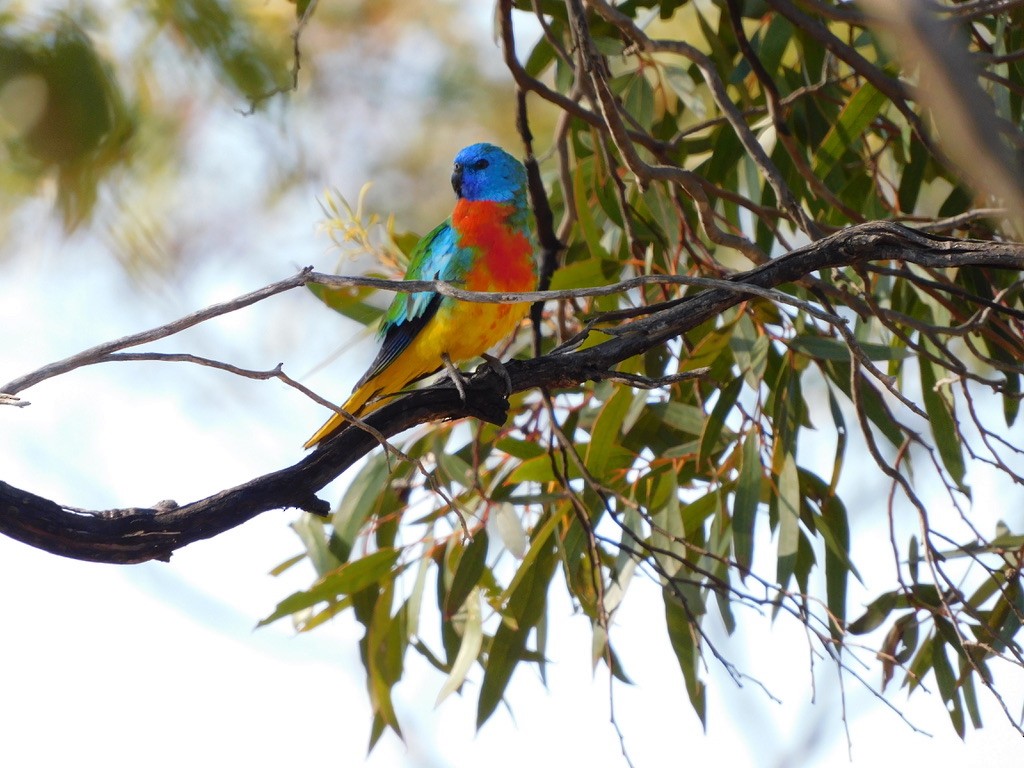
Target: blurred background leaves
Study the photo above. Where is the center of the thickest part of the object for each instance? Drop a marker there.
(63, 117)
(105, 109)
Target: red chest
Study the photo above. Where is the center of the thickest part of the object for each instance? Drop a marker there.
(505, 259)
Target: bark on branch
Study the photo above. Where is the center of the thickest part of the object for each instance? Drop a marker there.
(139, 534)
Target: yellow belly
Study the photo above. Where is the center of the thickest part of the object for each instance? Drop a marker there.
(467, 330)
(461, 330)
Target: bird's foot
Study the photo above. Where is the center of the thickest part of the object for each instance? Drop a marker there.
(499, 368)
(455, 375)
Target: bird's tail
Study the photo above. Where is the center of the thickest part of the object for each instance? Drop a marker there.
(356, 405)
(373, 392)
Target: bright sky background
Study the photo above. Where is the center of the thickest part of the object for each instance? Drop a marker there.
(161, 664)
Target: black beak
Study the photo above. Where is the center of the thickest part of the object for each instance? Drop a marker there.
(457, 179)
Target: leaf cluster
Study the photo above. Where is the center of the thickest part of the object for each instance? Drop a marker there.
(697, 139)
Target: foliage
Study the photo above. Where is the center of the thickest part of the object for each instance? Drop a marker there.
(61, 112)
(693, 140)
(109, 108)
(66, 111)
(698, 139)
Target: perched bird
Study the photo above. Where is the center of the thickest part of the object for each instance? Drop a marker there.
(484, 246)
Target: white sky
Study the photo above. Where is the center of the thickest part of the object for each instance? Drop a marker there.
(161, 664)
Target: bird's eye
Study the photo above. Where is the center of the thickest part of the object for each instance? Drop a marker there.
(479, 165)
(458, 166)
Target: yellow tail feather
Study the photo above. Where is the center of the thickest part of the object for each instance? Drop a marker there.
(419, 359)
(355, 405)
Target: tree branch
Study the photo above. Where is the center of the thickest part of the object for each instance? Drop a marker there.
(140, 534)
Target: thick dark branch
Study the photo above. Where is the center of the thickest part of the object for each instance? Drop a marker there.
(136, 535)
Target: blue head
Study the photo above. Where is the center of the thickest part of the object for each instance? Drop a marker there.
(487, 172)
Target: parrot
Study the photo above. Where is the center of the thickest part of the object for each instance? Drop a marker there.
(485, 245)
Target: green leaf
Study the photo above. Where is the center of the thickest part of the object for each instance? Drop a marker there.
(913, 175)
(346, 580)
(708, 350)
(406, 243)
(300, 7)
(469, 648)
(947, 684)
(669, 534)
(376, 730)
(540, 58)
(601, 650)
(310, 529)
(349, 301)
(898, 646)
(789, 519)
(997, 545)
(541, 533)
(454, 467)
(604, 437)
(862, 108)
(639, 97)
(577, 564)
(383, 650)
(913, 558)
(281, 568)
(748, 496)
(694, 513)
(876, 613)
(312, 620)
(775, 40)
(840, 427)
(943, 423)
(467, 573)
(1011, 397)
(722, 570)
(414, 603)
(834, 528)
(751, 351)
(224, 33)
(970, 695)
(728, 151)
(839, 373)
(523, 612)
(1004, 620)
(919, 667)
(581, 274)
(510, 529)
(358, 504)
(683, 640)
(716, 421)
(824, 348)
(71, 125)
(520, 449)
(588, 227)
(959, 200)
(537, 470)
(682, 416)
